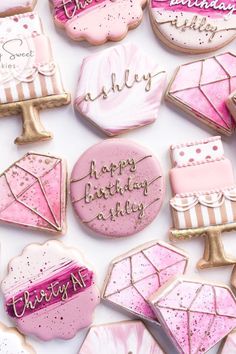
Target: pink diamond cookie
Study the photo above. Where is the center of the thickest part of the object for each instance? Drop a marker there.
(33, 193)
(201, 88)
(120, 338)
(133, 277)
(125, 92)
(195, 314)
(12, 7)
(97, 21)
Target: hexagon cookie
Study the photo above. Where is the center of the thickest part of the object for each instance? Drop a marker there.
(133, 277)
(120, 89)
(130, 337)
(196, 314)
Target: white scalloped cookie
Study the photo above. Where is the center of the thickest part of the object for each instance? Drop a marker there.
(12, 7)
(12, 342)
(120, 89)
(194, 26)
(97, 21)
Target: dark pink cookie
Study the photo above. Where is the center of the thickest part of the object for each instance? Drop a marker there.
(117, 188)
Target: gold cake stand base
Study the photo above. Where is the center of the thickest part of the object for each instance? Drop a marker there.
(214, 253)
(32, 128)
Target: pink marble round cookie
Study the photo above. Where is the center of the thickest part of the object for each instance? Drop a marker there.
(129, 337)
(117, 187)
(97, 21)
(125, 92)
(194, 26)
(50, 291)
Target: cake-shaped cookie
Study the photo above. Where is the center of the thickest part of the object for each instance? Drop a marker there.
(125, 92)
(194, 26)
(204, 196)
(97, 21)
(133, 277)
(201, 88)
(33, 193)
(121, 337)
(195, 314)
(11, 7)
(117, 188)
(50, 291)
(29, 77)
(12, 342)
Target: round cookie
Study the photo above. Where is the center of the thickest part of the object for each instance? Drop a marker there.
(117, 188)
(125, 92)
(50, 291)
(194, 26)
(12, 342)
(97, 21)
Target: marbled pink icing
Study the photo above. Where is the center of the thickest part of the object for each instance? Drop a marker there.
(133, 277)
(121, 110)
(32, 193)
(195, 314)
(40, 264)
(202, 88)
(100, 20)
(11, 7)
(122, 337)
(117, 187)
(230, 344)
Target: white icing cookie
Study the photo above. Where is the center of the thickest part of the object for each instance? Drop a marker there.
(125, 90)
(12, 342)
(194, 26)
(11, 7)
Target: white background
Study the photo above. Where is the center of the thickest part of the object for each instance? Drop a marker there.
(72, 136)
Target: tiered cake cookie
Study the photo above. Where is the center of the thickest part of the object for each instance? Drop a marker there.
(195, 314)
(201, 88)
(8, 8)
(204, 196)
(97, 21)
(12, 342)
(125, 92)
(29, 76)
(133, 277)
(120, 338)
(33, 193)
(50, 291)
(194, 26)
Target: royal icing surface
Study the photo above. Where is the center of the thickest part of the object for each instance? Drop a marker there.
(16, 6)
(97, 20)
(122, 337)
(133, 277)
(33, 193)
(202, 88)
(202, 194)
(117, 188)
(27, 69)
(54, 295)
(230, 344)
(231, 104)
(195, 314)
(125, 92)
(12, 342)
(194, 25)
